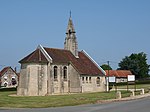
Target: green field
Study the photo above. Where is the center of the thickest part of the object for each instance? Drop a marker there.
(9, 99)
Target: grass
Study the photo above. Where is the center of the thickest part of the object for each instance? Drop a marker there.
(138, 86)
(59, 100)
(146, 87)
(51, 101)
(125, 94)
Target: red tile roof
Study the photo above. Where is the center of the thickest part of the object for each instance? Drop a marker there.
(35, 57)
(4, 70)
(59, 55)
(118, 73)
(83, 64)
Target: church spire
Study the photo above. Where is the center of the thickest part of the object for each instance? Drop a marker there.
(70, 40)
(70, 27)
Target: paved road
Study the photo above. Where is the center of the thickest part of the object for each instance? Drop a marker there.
(139, 105)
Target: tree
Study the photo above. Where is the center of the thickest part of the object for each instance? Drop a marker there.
(137, 64)
(106, 67)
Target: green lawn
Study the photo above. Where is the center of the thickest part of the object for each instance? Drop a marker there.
(58, 100)
(51, 101)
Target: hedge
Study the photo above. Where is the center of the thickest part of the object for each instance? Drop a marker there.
(8, 89)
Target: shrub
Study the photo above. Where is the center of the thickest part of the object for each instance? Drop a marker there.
(8, 89)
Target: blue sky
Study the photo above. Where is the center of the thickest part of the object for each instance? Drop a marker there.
(105, 29)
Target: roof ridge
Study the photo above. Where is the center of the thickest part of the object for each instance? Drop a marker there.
(40, 58)
(56, 48)
(44, 52)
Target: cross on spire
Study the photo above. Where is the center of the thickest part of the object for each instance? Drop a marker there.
(70, 13)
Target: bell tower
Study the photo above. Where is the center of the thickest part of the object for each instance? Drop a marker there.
(71, 40)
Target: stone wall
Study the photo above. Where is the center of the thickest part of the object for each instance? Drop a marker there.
(38, 80)
(33, 80)
(59, 85)
(90, 84)
(74, 80)
(23, 81)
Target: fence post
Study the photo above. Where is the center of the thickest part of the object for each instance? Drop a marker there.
(142, 91)
(118, 95)
(133, 93)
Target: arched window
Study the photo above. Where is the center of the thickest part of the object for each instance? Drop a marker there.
(98, 81)
(55, 73)
(65, 73)
(86, 79)
(90, 80)
(83, 79)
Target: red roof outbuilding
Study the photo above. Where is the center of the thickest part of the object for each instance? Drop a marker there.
(118, 73)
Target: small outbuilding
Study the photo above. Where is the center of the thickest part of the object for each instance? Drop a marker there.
(8, 77)
(121, 75)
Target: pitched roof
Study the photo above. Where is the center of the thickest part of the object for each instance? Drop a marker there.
(4, 70)
(83, 64)
(65, 56)
(118, 73)
(35, 57)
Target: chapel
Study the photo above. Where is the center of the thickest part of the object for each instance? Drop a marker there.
(48, 71)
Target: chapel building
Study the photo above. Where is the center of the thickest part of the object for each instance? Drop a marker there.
(48, 71)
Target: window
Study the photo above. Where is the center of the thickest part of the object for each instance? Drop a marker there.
(5, 84)
(86, 79)
(55, 73)
(13, 81)
(5, 78)
(98, 81)
(83, 79)
(65, 73)
(90, 80)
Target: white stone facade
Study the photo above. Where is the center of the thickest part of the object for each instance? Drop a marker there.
(38, 80)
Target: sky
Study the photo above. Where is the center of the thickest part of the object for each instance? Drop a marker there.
(108, 30)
